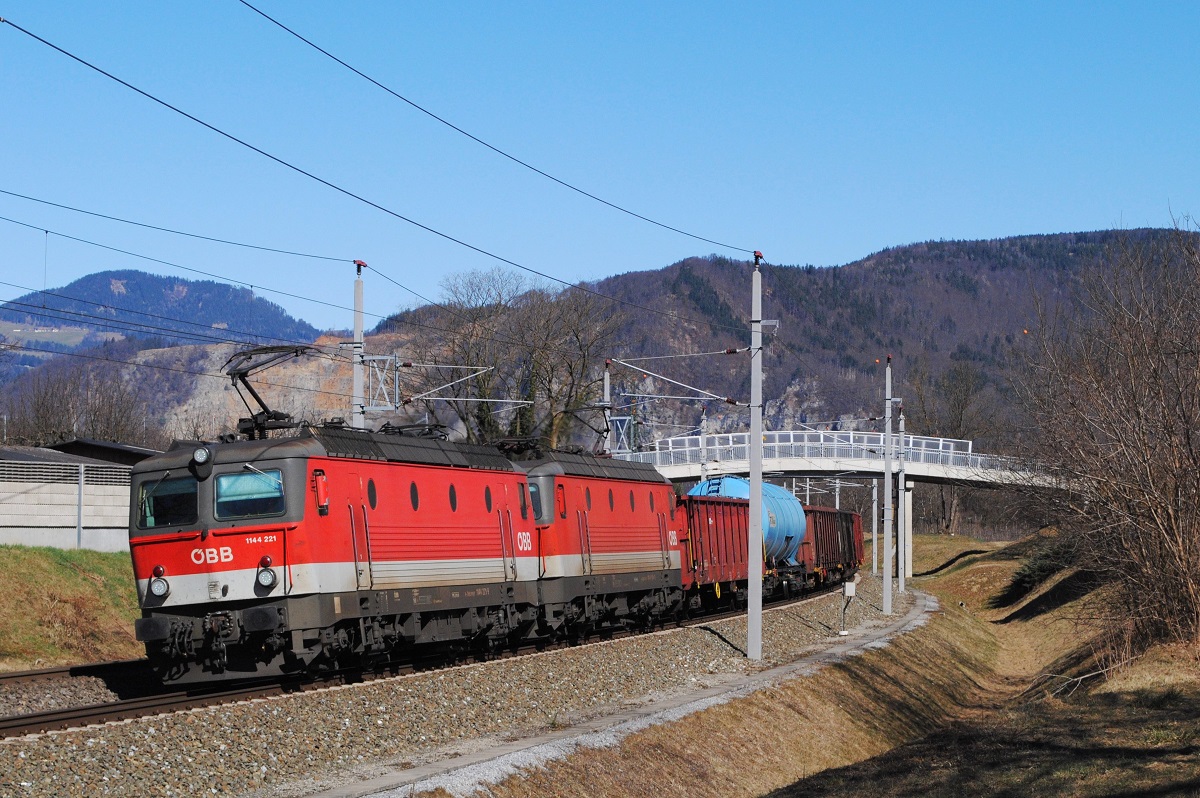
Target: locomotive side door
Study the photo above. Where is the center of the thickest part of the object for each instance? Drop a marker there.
(585, 541)
(507, 543)
(665, 537)
(359, 535)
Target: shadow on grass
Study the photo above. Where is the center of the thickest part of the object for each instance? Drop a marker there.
(1126, 745)
(956, 558)
(1072, 587)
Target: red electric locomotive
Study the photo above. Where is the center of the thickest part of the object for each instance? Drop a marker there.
(608, 543)
(281, 555)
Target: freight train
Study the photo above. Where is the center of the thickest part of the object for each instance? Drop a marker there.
(338, 547)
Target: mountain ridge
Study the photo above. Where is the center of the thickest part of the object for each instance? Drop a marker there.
(128, 302)
(934, 306)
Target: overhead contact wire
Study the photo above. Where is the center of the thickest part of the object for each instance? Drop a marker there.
(391, 319)
(187, 268)
(374, 269)
(491, 147)
(345, 191)
(175, 232)
(26, 348)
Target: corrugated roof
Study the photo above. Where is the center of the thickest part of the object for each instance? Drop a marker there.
(35, 454)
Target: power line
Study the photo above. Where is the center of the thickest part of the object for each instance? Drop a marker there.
(174, 232)
(120, 325)
(204, 273)
(491, 147)
(133, 326)
(172, 369)
(390, 318)
(344, 191)
(185, 268)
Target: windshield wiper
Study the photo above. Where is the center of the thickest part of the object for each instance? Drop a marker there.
(263, 474)
(148, 494)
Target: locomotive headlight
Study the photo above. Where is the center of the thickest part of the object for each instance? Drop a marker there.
(159, 587)
(266, 577)
(200, 455)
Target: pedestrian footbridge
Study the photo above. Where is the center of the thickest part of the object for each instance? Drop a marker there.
(810, 453)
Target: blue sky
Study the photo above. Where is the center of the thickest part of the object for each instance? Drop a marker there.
(815, 132)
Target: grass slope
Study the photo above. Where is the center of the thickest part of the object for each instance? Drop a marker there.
(942, 711)
(65, 607)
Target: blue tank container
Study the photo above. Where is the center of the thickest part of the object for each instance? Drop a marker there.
(782, 514)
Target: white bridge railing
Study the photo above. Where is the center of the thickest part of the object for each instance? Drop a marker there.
(814, 445)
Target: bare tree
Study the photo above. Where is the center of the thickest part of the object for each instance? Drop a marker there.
(470, 330)
(1113, 387)
(62, 400)
(542, 346)
(958, 403)
(568, 334)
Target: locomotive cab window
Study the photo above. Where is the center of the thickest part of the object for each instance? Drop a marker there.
(535, 498)
(249, 494)
(167, 502)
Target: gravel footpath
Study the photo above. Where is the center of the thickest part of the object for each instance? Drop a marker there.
(297, 744)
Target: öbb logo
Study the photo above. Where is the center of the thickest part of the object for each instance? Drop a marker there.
(210, 556)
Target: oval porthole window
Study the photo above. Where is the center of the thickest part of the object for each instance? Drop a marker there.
(412, 494)
(631, 507)
(453, 499)
(587, 497)
(611, 506)
(487, 498)
(371, 495)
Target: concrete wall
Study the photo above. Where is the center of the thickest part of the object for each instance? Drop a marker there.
(65, 506)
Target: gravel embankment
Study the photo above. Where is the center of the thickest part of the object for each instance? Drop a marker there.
(291, 745)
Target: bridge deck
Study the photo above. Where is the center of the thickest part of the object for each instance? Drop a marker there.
(852, 454)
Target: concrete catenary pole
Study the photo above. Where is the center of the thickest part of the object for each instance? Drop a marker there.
(887, 490)
(358, 412)
(874, 526)
(903, 546)
(755, 559)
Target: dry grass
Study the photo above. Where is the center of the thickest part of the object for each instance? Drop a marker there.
(62, 607)
(942, 711)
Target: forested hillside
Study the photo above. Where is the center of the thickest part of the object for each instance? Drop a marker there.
(934, 307)
(950, 313)
(132, 303)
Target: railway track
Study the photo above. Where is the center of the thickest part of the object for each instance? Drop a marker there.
(76, 717)
(142, 696)
(123, 677)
